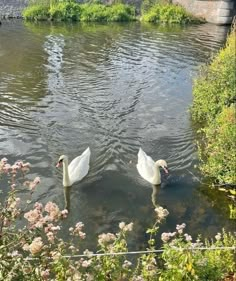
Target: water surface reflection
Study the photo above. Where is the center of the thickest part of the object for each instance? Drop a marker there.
(114, 88)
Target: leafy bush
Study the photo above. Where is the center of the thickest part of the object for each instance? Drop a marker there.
(167, 13)
(36, 12)
(220, 152)
(94, 12)
(65, 11)
(147, 4)
(192, 263)
(215, 86)
(36, 251)
(214, 110)
(71, 10)
(121, 12)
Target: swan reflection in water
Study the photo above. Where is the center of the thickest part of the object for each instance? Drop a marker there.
(155, 190)
(67, 190)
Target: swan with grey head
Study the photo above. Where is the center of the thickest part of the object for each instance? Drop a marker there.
(150, 170)
(76, 170)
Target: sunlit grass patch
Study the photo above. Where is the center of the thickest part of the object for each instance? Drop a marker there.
(73, 11)
(168, 13)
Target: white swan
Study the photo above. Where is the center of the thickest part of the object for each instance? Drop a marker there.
(77, 169)
(148, 169)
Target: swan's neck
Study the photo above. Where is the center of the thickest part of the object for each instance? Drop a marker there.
(66, 178)
(157, 175)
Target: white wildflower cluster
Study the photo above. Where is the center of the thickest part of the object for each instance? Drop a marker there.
(77, 230)
(126, 227)
(161, 213)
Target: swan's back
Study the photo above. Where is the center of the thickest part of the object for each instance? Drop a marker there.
(79, 166)
(145, 165)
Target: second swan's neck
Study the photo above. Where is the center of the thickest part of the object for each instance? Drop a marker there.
(66, 178)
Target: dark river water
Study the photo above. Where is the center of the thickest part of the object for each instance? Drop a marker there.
(114, 88)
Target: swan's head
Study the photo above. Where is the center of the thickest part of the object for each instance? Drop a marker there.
(163, 164)
(60, 160)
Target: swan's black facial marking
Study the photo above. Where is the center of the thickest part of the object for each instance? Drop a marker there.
(59, 163)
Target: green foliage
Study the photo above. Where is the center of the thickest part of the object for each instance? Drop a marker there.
(213, 108)
(220, 152)
(65, 11)
(121, 12)
(167, 13)
(215, 86)
(36, 12)
(93, 12)
(147, 4)
(70, 10)
(194, 264)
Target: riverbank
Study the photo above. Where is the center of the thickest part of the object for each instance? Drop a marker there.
(214, 109)
(218, 12)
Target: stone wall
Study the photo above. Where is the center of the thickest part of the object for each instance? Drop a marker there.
(12, 8)
(219, 12)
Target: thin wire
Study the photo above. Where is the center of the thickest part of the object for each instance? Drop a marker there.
(140, 252)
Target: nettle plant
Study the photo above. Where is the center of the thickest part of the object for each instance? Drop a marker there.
(36, 251)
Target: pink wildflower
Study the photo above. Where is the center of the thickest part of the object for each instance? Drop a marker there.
(26, 247)
(6, 168)
(86, 263)
(180, 228)
(32, 184)
(167, 236)
(50, 237)
(64, 213)
(161, 213)
(4, 160)
(14, 168)
(106, 238)
(36, 246)
(34, 217)
(188, 238)
(126, 227)
(45, 274)
(53, 211)
(38, 206)
(37, 180)
(218, 236)
(126, 264)
(19, 163)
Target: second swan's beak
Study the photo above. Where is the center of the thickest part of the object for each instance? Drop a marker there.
(59, 163)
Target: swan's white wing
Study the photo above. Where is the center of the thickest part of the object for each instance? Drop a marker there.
(79, 166)
(145, 165)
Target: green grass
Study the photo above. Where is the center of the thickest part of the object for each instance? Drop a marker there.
(214, 110)
(168, 13)
(36, 12)
(72, 11)
(65, 11)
